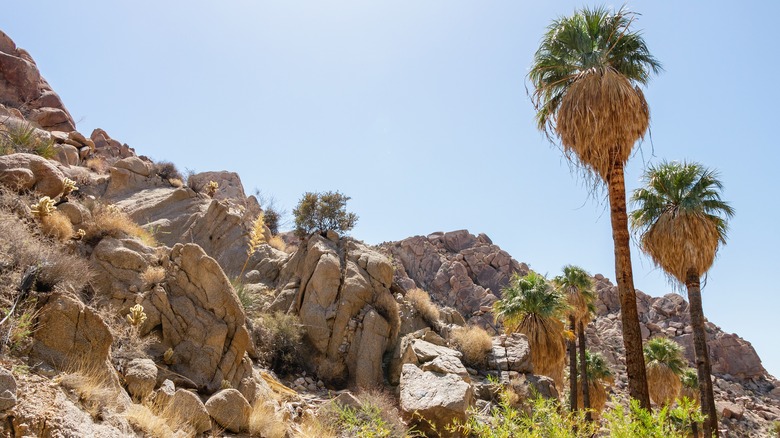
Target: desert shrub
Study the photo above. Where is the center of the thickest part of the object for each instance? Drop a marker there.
(474, 342)
(108, 220)
(153, 275)
(265, 421)
(377, 417)
(421, 301)
(278, 337)
(277, 242)
(97, 165)
(23, 138)
(18, 329)
(322, 212)
(661, 423)
(57, 226)
(98, 393)
(167, 171)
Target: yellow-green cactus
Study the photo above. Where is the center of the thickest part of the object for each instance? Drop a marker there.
(43, 208)
(211, 188)
(136, 317)
(168, 356)
(68, 186)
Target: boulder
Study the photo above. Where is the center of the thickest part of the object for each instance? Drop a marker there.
(341, 290)
(188, 408)
(511, 353)
(140, 377)
(7, 390)
(438, 398)
(135, 165)
(70, 335)
(31, 172)
(66, 154)
(229, 409)
(730, 410)
(230, 186)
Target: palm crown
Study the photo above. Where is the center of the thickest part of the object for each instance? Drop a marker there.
(680, 217)
(577, 286)
(664, 352)
(529, 300)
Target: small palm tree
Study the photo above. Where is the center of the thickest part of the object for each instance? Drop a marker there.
(598, 376)
(665, 364)
(577, 287)
(586, 76)
(682, 221)
(690, 390)
(531, 306)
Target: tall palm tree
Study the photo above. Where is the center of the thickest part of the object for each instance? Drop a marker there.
(598, 375)
(531, 306)
(586, 76)
(665, 365)
(577, 287)
(682, 221)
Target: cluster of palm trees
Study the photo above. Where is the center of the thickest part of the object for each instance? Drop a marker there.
(586, 78)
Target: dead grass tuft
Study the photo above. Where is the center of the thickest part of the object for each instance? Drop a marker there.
(421, 301)
(153, 275)
(91, 382)
(277, 242)
(108, 220)
(475, 343)
(265, 421)
(97, 165)
(57, 226)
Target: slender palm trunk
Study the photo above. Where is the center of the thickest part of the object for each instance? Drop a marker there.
(703, 368)
(632, 335)
(572, 367)
(584, 373)
(695, 429)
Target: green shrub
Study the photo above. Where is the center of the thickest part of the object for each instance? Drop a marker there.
(278, 336)
(23, 138)
(322, 212)
(377, 417)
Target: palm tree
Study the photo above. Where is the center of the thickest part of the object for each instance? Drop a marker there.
(690, 390)
(531, 306)
(586, 76)
(665, 364)
(598, 376)
(577, 287)
(682, 221)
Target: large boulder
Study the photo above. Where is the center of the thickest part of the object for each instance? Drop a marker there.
(31, 172)
(511, 353)
(70, 335)
(140, 377)
(341, 290)
(433, 397)
(200, 318)
(229, 409)
(7, 390)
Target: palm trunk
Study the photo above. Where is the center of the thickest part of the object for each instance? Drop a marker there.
(584, 374)
(695, 429)
(632, 335)
(710, 426)
(572, 367)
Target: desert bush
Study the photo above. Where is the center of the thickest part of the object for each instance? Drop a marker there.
(421, 301)
(167, 171)
(265, 421)
(17, 331)
(108, 220)
(277, 242)
(97, 165)
(377, 417)
(153, 275)
(278, 337)
(661, 423)
(474, 342)
(56, 225)
(23, 138)
(322, 212)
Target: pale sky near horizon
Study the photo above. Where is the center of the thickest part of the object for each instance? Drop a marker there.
(418, 111)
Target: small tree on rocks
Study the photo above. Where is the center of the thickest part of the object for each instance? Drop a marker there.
(321, 212)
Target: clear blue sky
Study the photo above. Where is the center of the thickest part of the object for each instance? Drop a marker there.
(418, 111)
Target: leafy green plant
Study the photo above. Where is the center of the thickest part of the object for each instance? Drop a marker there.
(376, 417)
(23, 138)
(637, 422)
(322, 212)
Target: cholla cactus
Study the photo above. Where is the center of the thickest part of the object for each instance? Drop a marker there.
(79, 234)
(211, 188)
(136, 317)
(43, 208)
(68, 186)
(168, 356)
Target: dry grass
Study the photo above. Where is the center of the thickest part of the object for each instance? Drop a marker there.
(663, 383)
(313, 427)
(600, 118)
(266, 422)
(108, 220)
(474, 342)
(421, 301)
(97, 165)
(387, 407)
(97, 392)
(598, 397)
(57, 226)
(141, 417)
(153, 275)
(277, 242)
(548, 348)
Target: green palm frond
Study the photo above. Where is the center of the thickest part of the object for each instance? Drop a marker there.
(576, 286)
(665, 352)
(529, 297)
(590, 39)
(597, 367)
(690, 378)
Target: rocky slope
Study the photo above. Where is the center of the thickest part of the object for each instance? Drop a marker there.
(119, 334)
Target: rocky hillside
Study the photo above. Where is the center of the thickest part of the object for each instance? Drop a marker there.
(147, 305)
